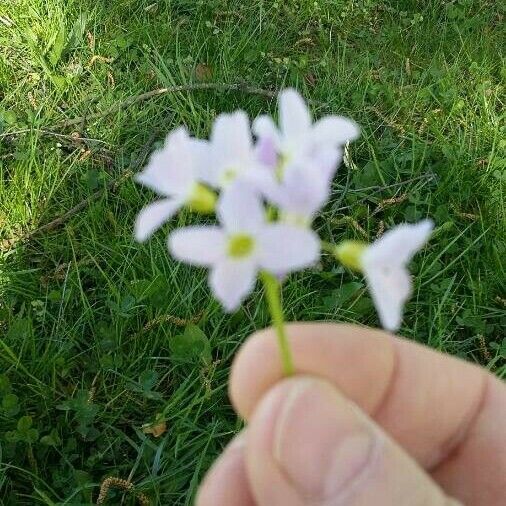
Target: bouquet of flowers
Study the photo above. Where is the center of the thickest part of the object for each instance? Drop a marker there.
(266, 183)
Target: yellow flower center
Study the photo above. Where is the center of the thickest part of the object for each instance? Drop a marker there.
(228, 175)
(349, 253)
(202, 199)
(240, 245)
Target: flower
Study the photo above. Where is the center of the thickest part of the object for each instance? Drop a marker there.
(302, 157)
(384, 266)
(244, 244)
(299, 139)
(231, 152)
(176, 172)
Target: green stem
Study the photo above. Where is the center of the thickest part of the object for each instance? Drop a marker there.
(273, 295)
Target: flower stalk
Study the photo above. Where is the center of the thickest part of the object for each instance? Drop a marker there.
(273, 295)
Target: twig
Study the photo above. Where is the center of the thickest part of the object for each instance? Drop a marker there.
(373, 190)
(164, 91)
(49, 133)
(111, 186)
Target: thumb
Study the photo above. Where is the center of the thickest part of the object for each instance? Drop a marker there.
(309, 446)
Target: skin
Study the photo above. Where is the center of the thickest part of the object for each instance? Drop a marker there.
(368, 418)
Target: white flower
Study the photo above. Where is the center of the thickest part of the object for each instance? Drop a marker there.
(244, 244)
(174, 172)
(298, 138)
(302, 157)
(384, 266)
(232, 154)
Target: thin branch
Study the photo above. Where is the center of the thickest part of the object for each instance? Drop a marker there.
(9, 244)
(164, 91)
(49, 133)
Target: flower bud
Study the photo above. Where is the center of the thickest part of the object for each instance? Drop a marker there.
(202, 200)
(349, 253)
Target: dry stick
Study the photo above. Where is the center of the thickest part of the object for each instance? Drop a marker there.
(10, 243)
(163, 91)
(50, 133)
(427, 177)
(112, 185)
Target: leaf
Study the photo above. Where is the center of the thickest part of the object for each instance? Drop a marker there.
(341, 296)
(348, 290)
(31, 436)
(10, 405)
(367, 176)
(5, 384)
(85, 411)
(12, 436)
(148, 380)
(59, 81)
(24, 424)
(78, 29)
(58, 46)
(8, 117)
(191, 346)
(51, 439)
(144, 288)
(92, 179)
(25, 432)
(20, 329)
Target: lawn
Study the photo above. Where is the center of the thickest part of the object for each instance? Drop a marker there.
(91, 351)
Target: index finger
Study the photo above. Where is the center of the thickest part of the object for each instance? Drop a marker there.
(432, 404)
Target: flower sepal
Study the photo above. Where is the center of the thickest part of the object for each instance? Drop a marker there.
(202, 200)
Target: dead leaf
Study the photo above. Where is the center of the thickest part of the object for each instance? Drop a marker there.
(91, 41)
(203, 72)
(310, 79)
(152, 8)
(157, 428)
(110, 80)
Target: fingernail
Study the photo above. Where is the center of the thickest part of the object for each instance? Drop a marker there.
(321, 442)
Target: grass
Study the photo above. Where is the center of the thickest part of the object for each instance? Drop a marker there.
(91, 323)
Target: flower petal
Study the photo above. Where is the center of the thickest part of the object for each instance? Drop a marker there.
(294, 115)
(266, 152)
(264, 128)
(153, 216)
(201, 155)
(399, 244)
(302, 192)
(326, 161)
(232, 281)
(170, 170)
(284, 248)
(335, 131)
(240, 209)
(390, 289)
(198, 245)
(231, 137)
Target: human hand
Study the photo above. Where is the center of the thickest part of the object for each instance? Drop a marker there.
(368, 419)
